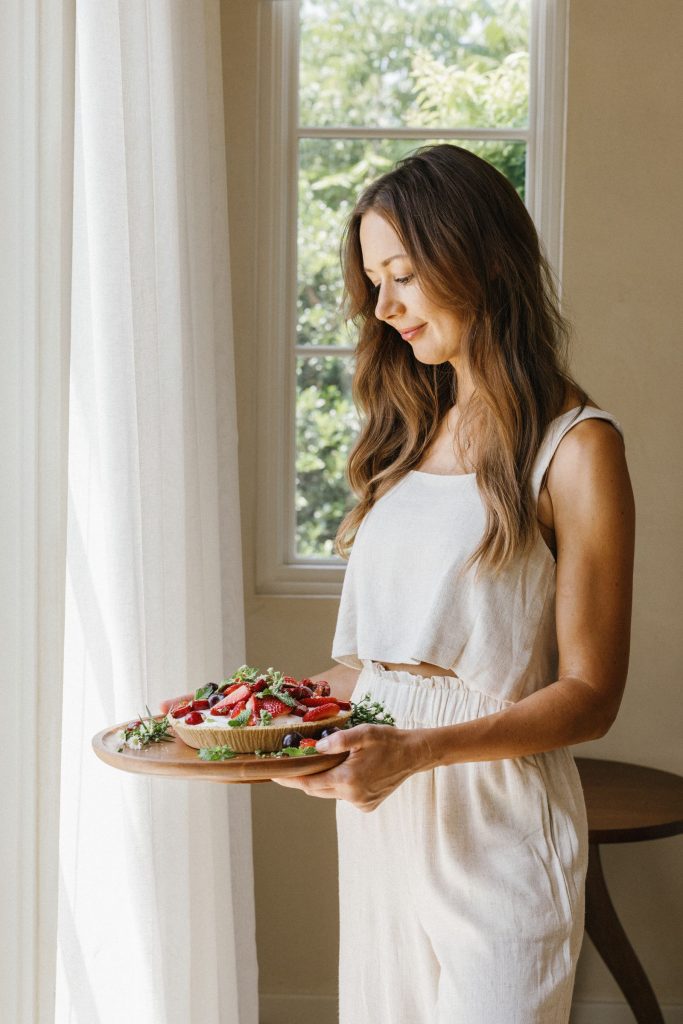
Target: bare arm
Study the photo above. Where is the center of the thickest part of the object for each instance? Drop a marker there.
(594, 524)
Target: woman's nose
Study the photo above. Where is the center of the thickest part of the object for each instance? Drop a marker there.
(387, 304)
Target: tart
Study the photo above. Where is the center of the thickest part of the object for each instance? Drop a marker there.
(255, 710)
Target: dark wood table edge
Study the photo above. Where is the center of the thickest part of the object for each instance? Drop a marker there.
(602, 922)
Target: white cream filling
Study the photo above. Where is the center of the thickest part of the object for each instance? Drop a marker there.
(223, 722)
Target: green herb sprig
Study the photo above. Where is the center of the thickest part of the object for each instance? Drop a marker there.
(369, 712)
(139, 734)
(287, 752)
(240, 720)
(216, 753)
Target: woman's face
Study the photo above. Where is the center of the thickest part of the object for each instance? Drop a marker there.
(433, 333)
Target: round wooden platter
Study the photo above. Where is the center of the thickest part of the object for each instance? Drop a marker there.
(174, 758)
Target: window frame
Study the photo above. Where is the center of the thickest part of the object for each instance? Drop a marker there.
(278, 571)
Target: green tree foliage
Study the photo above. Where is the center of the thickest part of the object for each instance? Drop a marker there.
(414, 63)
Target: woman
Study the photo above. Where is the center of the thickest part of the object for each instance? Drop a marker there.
(486, 603)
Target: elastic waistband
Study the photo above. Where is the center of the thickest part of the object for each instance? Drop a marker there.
(431, 700)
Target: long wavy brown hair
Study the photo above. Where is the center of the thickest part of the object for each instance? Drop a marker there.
(474, 249)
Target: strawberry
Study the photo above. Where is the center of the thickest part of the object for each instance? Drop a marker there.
(275, 707)
(300, 710)
(239, 694)
(194, 718)
(230, 689)
(180, 710)
(317, 702)
(291, 679)
(308, 743)
(221, 710)
(237, 709)
(322, 711)
(199, 705)
(321, 689)
(259, 685)
(297, 690)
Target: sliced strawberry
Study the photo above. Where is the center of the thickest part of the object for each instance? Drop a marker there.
(323, 711)
(232, 688)
(221, 710)
(317, 702)
(194, 718)
(275, 707)
(254, 719)
(297, 690)
(300, 710)
(180, 710)
(308, 743)
(321, 689)
(237, 709)
(199, 705)
(255, 703)
(291, 679)
(258, 685)
(343, 705)
(240, 693)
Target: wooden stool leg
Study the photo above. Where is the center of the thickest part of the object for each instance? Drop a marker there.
(609, 938)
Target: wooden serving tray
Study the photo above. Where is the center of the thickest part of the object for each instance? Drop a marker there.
(173, 757)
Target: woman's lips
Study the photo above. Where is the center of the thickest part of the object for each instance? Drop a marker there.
(412, 332)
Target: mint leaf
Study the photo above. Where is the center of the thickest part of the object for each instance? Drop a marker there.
(241, 719)
(266, 717)
(204, 691)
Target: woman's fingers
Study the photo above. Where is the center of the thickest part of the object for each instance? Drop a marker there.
(377, 763)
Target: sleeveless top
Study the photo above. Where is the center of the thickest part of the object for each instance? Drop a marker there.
(407, 596)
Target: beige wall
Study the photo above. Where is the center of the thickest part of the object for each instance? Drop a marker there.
(623, 281)
(622, 284)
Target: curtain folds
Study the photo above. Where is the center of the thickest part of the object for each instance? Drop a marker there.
(36, 156)
(117, 366)
(155, 917)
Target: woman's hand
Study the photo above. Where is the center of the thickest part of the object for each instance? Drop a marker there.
(380, 758)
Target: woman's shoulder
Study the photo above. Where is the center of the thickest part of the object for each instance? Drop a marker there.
(586, 475)
(582, 421)
(582, 438)
(589, 444)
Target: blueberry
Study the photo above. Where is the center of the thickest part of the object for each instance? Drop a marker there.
(292, 739)
(215, 698)
(328, 732)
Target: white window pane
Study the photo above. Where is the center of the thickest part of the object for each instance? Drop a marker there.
(326, 427)
(446, 63)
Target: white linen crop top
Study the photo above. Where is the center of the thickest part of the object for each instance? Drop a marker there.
(406, 597)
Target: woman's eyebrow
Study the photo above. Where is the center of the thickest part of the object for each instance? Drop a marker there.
(387, 261)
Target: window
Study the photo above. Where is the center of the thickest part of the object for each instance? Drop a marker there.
(347, 89)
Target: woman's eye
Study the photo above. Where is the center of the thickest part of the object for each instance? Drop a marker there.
(404, 280)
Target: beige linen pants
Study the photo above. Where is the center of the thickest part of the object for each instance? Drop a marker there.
(462, 895)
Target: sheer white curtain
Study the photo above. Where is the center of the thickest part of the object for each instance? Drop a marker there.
(36, 150)
(155, 887)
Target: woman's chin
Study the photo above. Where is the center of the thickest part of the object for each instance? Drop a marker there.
(428, 358)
